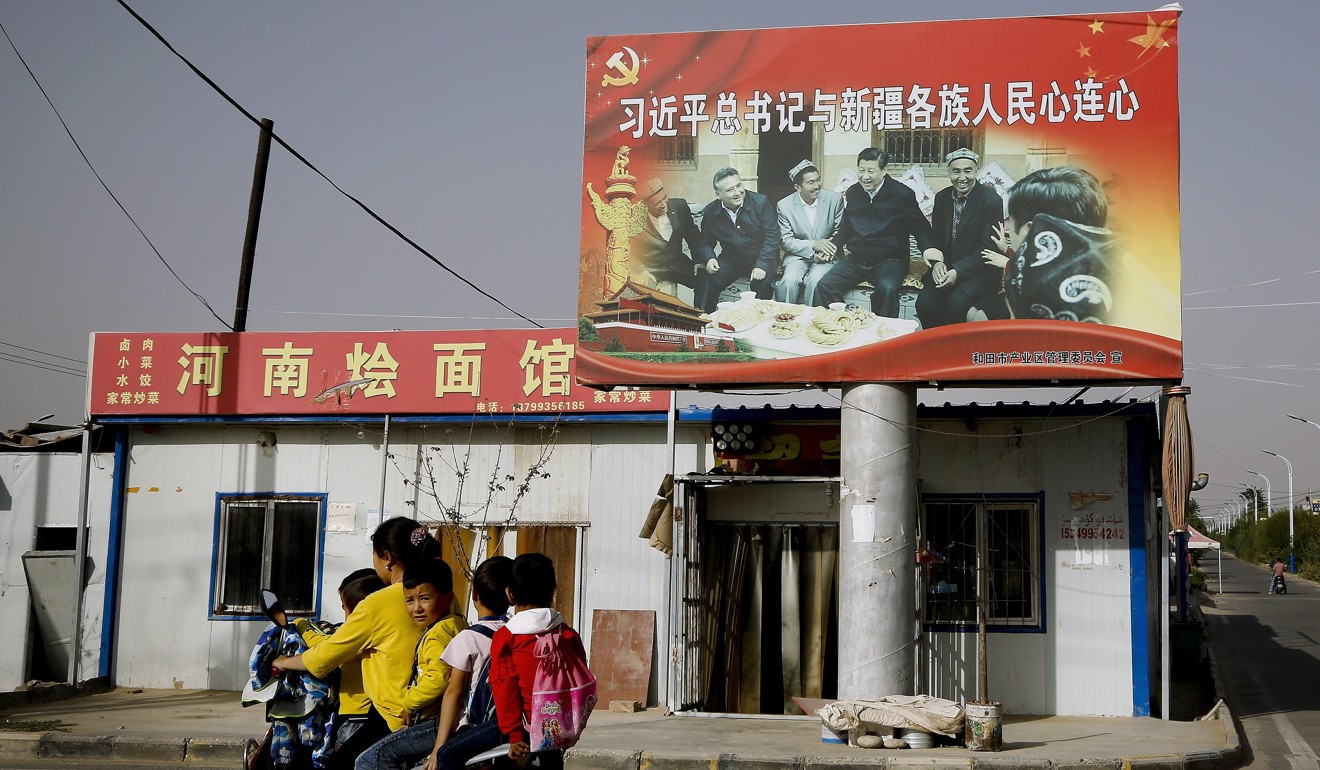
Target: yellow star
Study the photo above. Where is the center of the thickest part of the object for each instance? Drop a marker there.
(1154, 37)
(1083, 51)
(1090, 73)
(1096, 26)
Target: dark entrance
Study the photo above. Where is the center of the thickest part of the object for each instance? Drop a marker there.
(781, 151)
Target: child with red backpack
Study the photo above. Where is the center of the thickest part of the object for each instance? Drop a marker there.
(542, 688)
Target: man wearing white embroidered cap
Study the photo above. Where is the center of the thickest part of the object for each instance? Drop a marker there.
(963, 222)
(808, 218)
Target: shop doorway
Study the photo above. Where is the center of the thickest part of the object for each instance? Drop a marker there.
(758, 586)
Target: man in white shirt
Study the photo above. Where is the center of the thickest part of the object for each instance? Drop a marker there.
(808, 220)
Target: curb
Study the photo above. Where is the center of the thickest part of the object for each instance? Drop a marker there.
(1232, 755)
(612, 759)
(47, 692)
(57, 745)
(208, 752)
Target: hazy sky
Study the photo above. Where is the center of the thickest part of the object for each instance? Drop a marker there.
(462, 125)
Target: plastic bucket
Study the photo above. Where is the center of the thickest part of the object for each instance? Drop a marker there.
(983, 726)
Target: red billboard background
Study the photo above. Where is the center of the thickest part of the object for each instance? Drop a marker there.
(343, 373)
(1099, 92)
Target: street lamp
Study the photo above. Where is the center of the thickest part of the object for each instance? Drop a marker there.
(1292, 567)
(1269, 497)
(1308, 422)
(1250, 494)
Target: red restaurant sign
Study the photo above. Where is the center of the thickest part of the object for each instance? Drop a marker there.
(503, 371)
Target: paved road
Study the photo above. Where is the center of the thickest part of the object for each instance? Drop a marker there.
(1268, 649)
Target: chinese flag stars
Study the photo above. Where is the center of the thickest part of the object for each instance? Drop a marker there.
(1096, 26)
(1154, 37)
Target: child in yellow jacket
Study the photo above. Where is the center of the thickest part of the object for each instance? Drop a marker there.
(429, 595)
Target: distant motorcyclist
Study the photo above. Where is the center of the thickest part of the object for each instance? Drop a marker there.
(1276, 578)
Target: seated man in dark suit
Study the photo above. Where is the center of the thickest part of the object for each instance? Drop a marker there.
(742, 223)
(879, 216)
(657, 252)
(964, 221)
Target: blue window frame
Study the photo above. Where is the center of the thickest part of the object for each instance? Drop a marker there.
(983, 552)
(267, 540)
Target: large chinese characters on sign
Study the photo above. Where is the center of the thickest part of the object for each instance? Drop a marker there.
(296, 373)
(955, 202)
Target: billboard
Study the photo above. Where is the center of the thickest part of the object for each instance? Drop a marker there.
(955, 202)
(503, 372)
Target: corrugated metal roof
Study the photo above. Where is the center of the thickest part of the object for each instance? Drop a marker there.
(43, 437)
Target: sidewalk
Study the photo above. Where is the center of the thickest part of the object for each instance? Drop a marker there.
(208, 729)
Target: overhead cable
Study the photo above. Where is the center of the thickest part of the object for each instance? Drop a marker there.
(276, 137)
(97, 174)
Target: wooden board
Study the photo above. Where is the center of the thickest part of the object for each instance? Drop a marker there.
(810, 705)
(622, 642)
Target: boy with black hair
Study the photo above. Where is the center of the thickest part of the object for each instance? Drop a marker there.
(356, 586)
(466, 728)
(354, 704)
(1064, 259)
(513, 659)
(428, 590)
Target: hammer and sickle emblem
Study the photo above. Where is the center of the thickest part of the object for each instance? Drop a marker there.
(627, 71)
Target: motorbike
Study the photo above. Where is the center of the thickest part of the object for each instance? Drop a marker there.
(300, 707)
(1278, 585)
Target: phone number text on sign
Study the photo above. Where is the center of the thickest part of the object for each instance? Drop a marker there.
(1094, 533)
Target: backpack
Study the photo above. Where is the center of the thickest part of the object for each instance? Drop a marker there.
(563, 693)
(481, 701)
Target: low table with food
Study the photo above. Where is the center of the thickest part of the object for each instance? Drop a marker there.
(780, 330)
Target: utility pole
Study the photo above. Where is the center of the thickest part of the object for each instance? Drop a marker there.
(877, 577)
(253, 223)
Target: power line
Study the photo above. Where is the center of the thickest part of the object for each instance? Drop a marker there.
(97, 174)
(51, 364)
(980, 436)
(276, 137)
(42, 352)
(38, 365)
(1251, 379)
(1253, 284)
(1265, 304)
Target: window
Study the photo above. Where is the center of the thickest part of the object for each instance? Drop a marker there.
(273, 542)
(676, 151)
(907, 146)
(986, 553)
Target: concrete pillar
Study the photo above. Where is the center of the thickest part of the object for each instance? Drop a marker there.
(877, 541)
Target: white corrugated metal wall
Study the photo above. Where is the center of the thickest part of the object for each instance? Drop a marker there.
(41, 489)
(1082, 663)
(622, 571)
(177, 470)
(169, 540)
